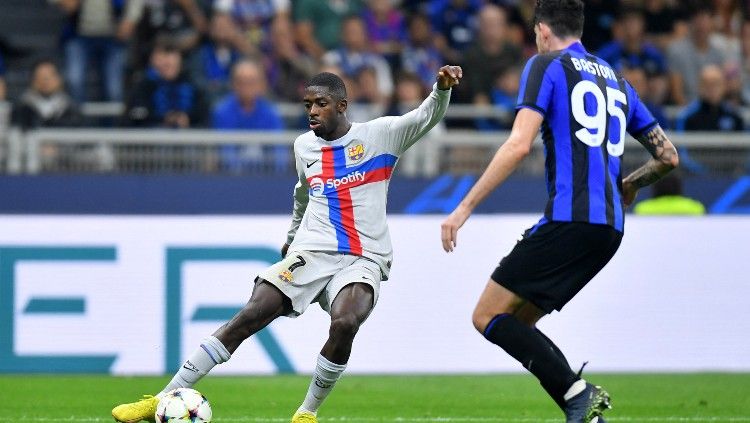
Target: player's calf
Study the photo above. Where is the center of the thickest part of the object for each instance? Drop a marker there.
(265, 305)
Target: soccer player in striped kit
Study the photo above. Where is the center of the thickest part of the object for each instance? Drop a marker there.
(583, 109)
(338, 249)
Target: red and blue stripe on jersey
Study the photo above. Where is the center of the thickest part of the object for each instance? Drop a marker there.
(583, 181)
(340, 205)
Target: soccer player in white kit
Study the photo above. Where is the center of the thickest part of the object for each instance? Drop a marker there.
(338, 249)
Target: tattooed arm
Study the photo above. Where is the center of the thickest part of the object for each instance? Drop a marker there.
(663, 160)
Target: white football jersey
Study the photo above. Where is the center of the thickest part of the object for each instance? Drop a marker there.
(340, 199)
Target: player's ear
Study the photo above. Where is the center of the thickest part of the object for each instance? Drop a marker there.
(544, 30)
(342, 105)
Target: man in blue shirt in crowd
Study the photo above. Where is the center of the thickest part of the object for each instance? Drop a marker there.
(583, 108)
(710, 112)
(166, 95)
(632, 50)
(246, 108)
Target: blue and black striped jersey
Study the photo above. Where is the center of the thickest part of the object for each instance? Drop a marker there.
(587, 108)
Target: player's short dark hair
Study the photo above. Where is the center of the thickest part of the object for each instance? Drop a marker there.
(564, 17)
(331, 81)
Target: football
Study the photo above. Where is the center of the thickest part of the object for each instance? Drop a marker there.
(183, 405)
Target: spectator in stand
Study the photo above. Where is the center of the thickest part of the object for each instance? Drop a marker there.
(505, 91)
(385, 29)
(45, 103)
(423, 158)
(419, 55)
(664, 22)
(597, 26)
(728, 18)
(745, 64)
(288, 67)
(252, 20)
(710, 112)
(354, 55)
(504, 96)
(247, 108)
(368, 93)
(455, 22)
(727, 37)
(212, 62)
(632, 50)
(165, 95)
(97, 32)
(687, 56)
(319, 23)
(492, 55)
(181, 20)
(638, 78)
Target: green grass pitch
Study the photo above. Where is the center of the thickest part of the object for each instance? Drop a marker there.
(488, 398)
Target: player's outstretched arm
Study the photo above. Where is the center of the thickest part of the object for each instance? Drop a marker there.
(663, 159)
(403, 131)
(508, 156)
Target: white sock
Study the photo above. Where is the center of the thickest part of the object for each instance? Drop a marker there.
(576, 388)
(210, 353)
(325, 376)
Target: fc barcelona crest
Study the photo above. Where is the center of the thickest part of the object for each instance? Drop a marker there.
(286, 276)
(356, 153)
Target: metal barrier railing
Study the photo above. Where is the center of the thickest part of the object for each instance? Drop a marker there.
(294, 110)
(207, 151)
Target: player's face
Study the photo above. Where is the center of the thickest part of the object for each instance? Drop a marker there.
(323, 110)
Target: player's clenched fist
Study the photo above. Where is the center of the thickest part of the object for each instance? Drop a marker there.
(449, 76)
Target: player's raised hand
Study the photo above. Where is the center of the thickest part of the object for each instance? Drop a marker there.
(449, 228)
(449, 76)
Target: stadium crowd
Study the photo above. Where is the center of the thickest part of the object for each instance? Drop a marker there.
(227, 64)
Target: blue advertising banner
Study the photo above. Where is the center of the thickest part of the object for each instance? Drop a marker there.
(220, 194)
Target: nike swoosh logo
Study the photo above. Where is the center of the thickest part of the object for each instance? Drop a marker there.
(311, 163)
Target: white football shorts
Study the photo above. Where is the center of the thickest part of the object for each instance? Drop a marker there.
(307, 277)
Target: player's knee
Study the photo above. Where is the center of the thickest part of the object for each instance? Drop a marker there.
(480, 318)
(344, 327)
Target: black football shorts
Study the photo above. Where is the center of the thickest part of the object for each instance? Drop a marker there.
(554, 261)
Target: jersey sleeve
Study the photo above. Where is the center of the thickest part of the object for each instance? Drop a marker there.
(640, 118)
(401, 132)
(536, 86)
(301, 197)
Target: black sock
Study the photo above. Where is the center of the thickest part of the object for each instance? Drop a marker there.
(561, 401)
(554, 348)
(533, 351)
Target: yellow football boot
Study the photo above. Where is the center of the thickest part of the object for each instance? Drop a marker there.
(134, 412)
(304, 417)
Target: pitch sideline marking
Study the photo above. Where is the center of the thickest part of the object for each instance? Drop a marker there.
(75, 419)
